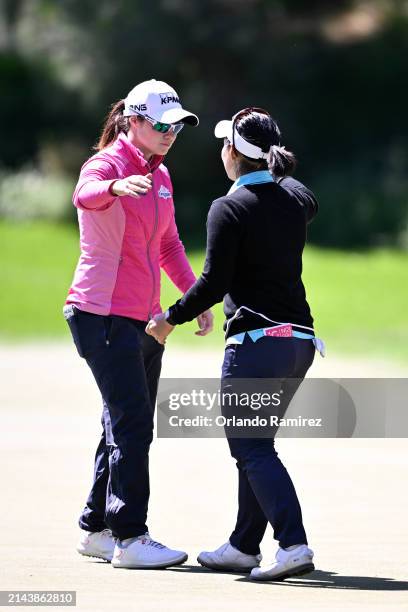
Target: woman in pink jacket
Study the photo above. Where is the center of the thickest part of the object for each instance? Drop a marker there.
(128, 232)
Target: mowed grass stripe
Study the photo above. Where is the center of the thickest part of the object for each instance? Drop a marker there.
(359, 300)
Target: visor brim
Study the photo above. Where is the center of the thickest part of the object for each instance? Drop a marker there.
(176, 115)
(223, 129)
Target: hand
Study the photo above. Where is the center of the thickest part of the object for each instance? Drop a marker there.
(205, 322)
(159, 328)
(135, 185)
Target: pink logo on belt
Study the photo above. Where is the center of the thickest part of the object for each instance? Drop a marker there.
(280, 331)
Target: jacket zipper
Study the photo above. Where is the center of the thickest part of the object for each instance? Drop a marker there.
(156, 215)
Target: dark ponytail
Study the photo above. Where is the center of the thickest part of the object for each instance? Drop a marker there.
(281, 162)
(115, 123)
(260, 129)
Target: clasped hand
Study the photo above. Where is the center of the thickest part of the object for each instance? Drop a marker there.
(160, 329)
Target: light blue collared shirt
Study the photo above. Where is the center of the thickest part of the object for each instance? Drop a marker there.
(252, 178)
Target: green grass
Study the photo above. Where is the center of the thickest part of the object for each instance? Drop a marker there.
(359, 300)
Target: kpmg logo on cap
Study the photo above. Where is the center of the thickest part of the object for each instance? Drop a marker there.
(169, 97)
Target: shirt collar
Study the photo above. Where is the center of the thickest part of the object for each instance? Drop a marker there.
(125, 147)
(252, 178)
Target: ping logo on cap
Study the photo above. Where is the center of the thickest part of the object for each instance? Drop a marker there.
(169, 97)
(138, 107)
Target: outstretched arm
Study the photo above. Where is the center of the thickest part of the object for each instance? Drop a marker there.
(224, 231)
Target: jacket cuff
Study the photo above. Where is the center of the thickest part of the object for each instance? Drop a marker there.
(169, 316)
(111, 188)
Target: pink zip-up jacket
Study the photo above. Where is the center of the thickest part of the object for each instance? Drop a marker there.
(125, 241)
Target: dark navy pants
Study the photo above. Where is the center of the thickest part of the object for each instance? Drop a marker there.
(265, 489)
(126, 365)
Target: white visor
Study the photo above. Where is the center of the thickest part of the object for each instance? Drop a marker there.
(223, 129)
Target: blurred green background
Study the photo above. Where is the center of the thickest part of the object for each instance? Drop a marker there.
(332, 73)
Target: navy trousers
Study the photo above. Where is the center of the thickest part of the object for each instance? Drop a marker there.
(265, 490)
(126, 365)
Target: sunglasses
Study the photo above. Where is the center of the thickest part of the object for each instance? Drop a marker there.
(163, 128)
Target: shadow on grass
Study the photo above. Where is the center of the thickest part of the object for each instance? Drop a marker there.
(317, 579)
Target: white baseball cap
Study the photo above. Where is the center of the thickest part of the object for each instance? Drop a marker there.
(159, 101)
(224, 129)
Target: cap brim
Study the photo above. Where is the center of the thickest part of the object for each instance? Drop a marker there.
(223, 129)
(175, 115)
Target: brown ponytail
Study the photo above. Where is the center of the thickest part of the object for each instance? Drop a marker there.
(115, 123)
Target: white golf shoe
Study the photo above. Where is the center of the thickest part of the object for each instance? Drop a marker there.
(144, 553)
(228, 558)
(295, 562)
(99, 544)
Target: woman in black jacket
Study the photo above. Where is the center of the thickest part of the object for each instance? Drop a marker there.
(255, 239)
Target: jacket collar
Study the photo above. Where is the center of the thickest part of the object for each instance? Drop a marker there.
(124, 147)
(252, 178)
